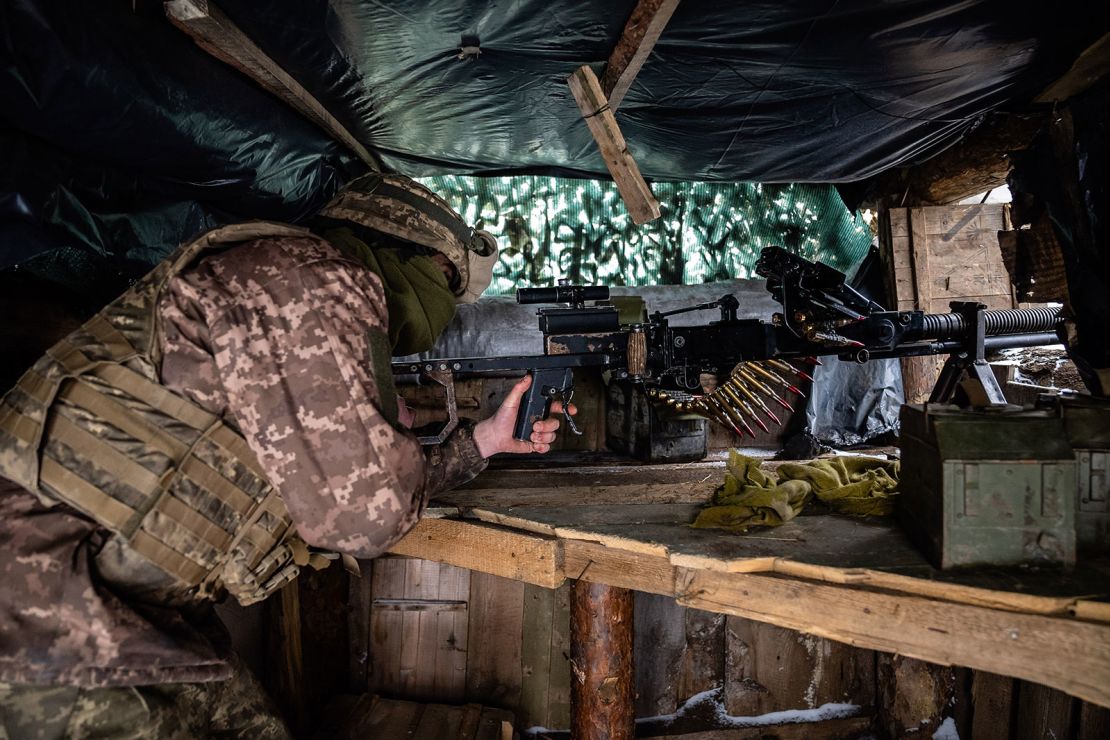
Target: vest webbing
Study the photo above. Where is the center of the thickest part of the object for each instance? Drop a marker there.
(91, 426)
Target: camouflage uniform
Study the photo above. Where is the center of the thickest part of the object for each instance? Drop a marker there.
(272, 336)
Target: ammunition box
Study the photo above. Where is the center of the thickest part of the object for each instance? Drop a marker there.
(637, 427)
(987, 487)
(1087, 425)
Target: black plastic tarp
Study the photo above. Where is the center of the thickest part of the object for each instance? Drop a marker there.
(121, 138)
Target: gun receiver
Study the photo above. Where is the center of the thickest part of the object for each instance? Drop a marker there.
(822, 315)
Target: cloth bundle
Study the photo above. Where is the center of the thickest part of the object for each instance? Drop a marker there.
(752, 497)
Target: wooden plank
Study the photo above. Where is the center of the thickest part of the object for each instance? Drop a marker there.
(452, 634)
(493, 671)
(500, 552)
(1043, 712)
(559, 687)
(290, 693)
(215, 33)
(914, 696)
(439, 722)
(638, 198)
(771, 669)
(830, 548)
(661, 634)
(389, 718)
(1088, 69)
(418, 633)
(386, 626)
(472, 715)
(593, 561)
(704, 656)
(359, 596)
(992, 698)
(1094, 722)
(948, 222)
(849, 728)
(539, 606)
(325, 643)
(1066, 654)
(642, 30)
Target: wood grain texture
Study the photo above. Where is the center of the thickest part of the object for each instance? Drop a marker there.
(660, 637)
(493, 671)
(1043, 713)
(992, 698)
(536, 669)
(215, 33)
(772, 669)
(601, 660)
(914, 696)
(359, 597)
(636, 193)
(642, 30)
(703, 659)
(1066, 654)
(492, 550)
(1088, 69)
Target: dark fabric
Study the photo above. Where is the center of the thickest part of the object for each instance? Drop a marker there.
(421, 303)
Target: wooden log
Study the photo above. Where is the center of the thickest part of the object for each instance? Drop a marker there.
(635, 192)
(601, 662)
(643, 29)
(215, 33)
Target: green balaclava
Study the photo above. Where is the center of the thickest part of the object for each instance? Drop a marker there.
(421, 304)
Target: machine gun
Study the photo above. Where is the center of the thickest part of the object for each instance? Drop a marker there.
(822, 315)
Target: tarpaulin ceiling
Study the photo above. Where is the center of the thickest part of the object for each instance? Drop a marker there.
(120, 137)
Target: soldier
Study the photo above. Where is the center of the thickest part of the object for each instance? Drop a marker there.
(230, 419)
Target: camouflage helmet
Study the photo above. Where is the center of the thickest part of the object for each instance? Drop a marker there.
(402, 208)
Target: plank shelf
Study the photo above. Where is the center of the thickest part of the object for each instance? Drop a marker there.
(851, 580)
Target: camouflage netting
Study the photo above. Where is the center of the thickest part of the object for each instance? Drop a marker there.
(551, 228)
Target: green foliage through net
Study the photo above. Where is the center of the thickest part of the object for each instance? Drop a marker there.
(551, 228)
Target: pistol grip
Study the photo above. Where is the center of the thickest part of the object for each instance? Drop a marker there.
(547, 385)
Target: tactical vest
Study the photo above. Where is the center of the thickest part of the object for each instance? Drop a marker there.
(91, 425)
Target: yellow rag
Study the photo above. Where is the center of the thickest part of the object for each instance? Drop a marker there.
(752, 497)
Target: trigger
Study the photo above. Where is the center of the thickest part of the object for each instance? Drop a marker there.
(566, 413)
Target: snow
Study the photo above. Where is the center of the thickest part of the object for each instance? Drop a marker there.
(713, 701)
(713, 698)
(947, 730)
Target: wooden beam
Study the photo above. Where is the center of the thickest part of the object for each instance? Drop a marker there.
(601, 662)
(215, 33)
(644, 26)
(1066, 654)
(1088, 69)
(500, 552)
(637, 195)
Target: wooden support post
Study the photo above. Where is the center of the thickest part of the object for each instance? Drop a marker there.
(635, 192)
(1088, 69)
(601, 662)
(644, 26)
(215, 33)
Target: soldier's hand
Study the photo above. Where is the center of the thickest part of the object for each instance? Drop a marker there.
(495, 434)
(405, 415)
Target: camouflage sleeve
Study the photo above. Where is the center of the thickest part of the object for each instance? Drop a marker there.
(294, 359)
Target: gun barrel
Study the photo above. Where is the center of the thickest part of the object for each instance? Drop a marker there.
(944, 326)
(563, 294)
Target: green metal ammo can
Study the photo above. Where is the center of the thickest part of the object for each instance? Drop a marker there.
(991, 487)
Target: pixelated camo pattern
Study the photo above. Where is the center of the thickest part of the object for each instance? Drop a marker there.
(271, 336)
(233, 708)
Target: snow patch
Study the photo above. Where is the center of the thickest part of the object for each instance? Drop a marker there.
(712, 699)
(947, 730)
